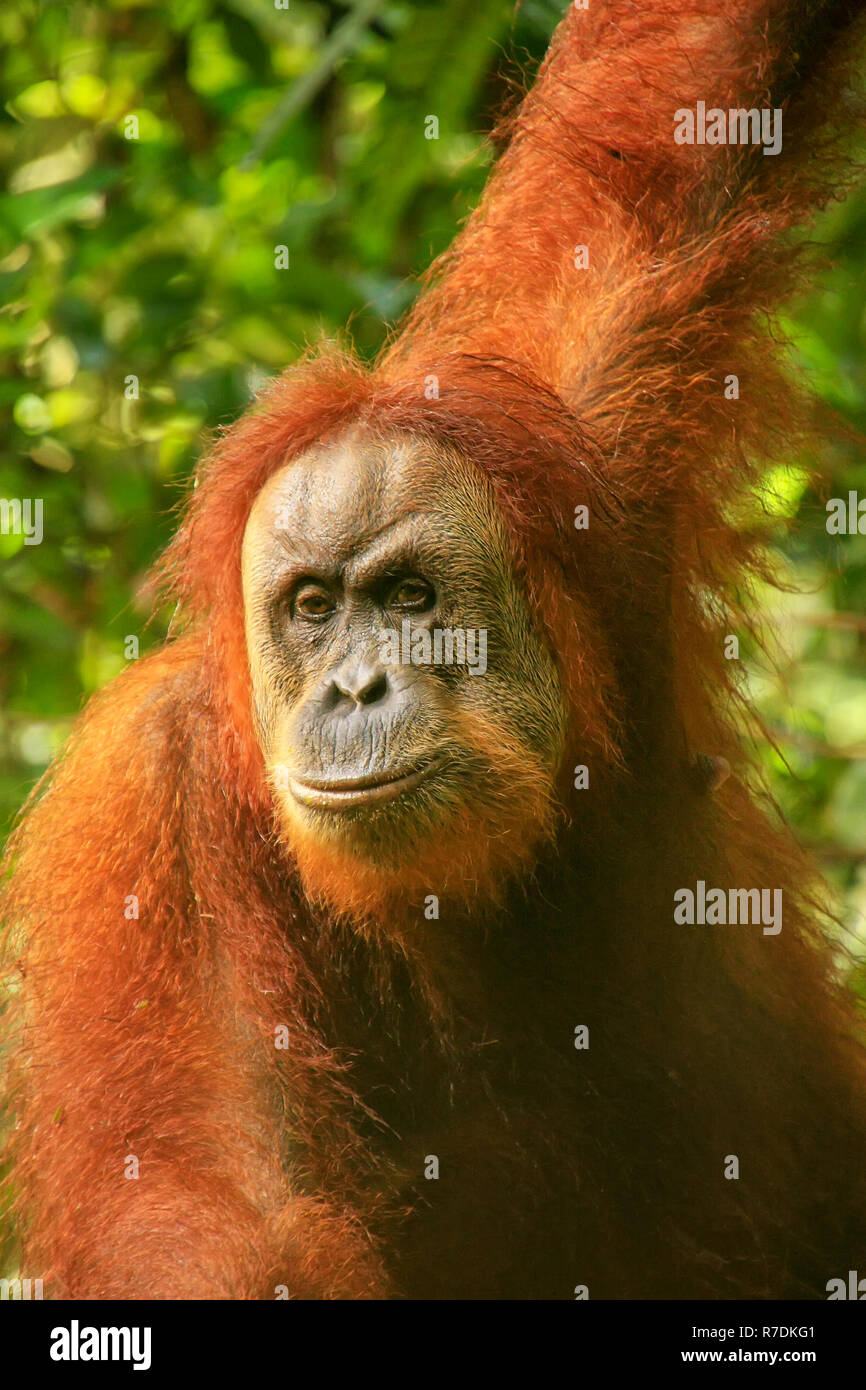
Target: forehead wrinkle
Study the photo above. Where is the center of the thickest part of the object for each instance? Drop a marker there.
(376, 548)
(329, 496)
(303, 556)
(343, 501)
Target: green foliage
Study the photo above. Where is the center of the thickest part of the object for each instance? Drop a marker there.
(153, 258)
(810, 680)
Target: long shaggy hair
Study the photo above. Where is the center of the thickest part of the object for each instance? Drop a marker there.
(162, 930)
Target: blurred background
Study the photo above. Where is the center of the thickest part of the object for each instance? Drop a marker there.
(145, 248)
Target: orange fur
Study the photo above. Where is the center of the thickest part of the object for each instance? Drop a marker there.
(473, 859)
(155, 1036)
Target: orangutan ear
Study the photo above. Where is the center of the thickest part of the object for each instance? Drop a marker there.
(710, 772)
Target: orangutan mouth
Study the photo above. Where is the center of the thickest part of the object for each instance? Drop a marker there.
(371, 790)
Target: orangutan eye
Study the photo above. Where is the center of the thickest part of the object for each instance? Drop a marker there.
(312, 604)
(414, 594)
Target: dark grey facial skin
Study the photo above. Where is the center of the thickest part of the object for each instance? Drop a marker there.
(344, 544)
